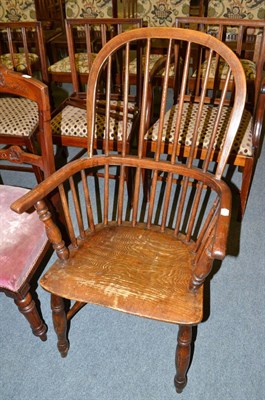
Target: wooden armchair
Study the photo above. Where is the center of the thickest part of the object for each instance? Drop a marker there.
(23, 242)
(149, 259)
(247, 39)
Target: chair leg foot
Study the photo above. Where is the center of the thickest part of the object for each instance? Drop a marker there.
(27, 307)
(183, 356)
(60, 324)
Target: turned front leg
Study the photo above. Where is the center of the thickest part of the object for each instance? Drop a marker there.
(183, 356)
(60, 323)
(27, 307)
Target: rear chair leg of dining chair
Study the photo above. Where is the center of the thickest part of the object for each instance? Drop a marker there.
(27, 307)
(247, 175)
(60, 323)
(183, 354)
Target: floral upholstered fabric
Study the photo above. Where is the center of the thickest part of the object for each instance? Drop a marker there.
(19, 117)
(19, 61)
(72, 122)
(153, 59)
(81, 61)
(248, 9)
(88, 9)
(248, 66)
(162, 12)
(17, 11)
(243, 141)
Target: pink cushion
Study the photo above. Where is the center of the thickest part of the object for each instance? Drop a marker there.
(22, 239)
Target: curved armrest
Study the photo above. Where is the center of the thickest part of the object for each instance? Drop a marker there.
(222, 226)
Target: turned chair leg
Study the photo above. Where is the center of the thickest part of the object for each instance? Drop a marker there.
(27, 307)
(60, 323)
(183, 356)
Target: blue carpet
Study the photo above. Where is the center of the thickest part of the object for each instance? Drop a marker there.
(121, 357)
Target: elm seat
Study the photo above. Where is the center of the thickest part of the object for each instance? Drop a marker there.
(22, 240)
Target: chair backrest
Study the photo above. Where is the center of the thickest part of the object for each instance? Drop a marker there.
(155, 12)
(26, 87)
(85, 37)
(91, 9)
(184, 184)
(245, 37)
(174, 39)
(17, 11)
(253, 9)
(22, 48)
(51, 13)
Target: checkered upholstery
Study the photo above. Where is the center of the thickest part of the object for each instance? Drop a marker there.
(243, 141)
(19, 116)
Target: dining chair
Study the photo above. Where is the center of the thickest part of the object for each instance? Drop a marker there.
(24, 122)
(23, 242)
(247, 40)
(85, 37)
(80, 9)
(22, 48)
(149, 258)
(154, 13)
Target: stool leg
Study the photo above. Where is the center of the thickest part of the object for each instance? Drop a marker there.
(27, 307)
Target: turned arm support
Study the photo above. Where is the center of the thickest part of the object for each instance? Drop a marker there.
(214, 242)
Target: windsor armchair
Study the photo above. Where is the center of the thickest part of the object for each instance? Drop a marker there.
(146, 258)
(23, 242)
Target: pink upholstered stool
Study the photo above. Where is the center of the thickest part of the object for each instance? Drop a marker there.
(23, 242)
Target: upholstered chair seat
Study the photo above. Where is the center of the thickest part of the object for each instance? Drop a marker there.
(153, 59)
(72, 121)
(19, 61)
(243, 141)
(81, 62)
(22, 241)
(249, 67)
(19, 116)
